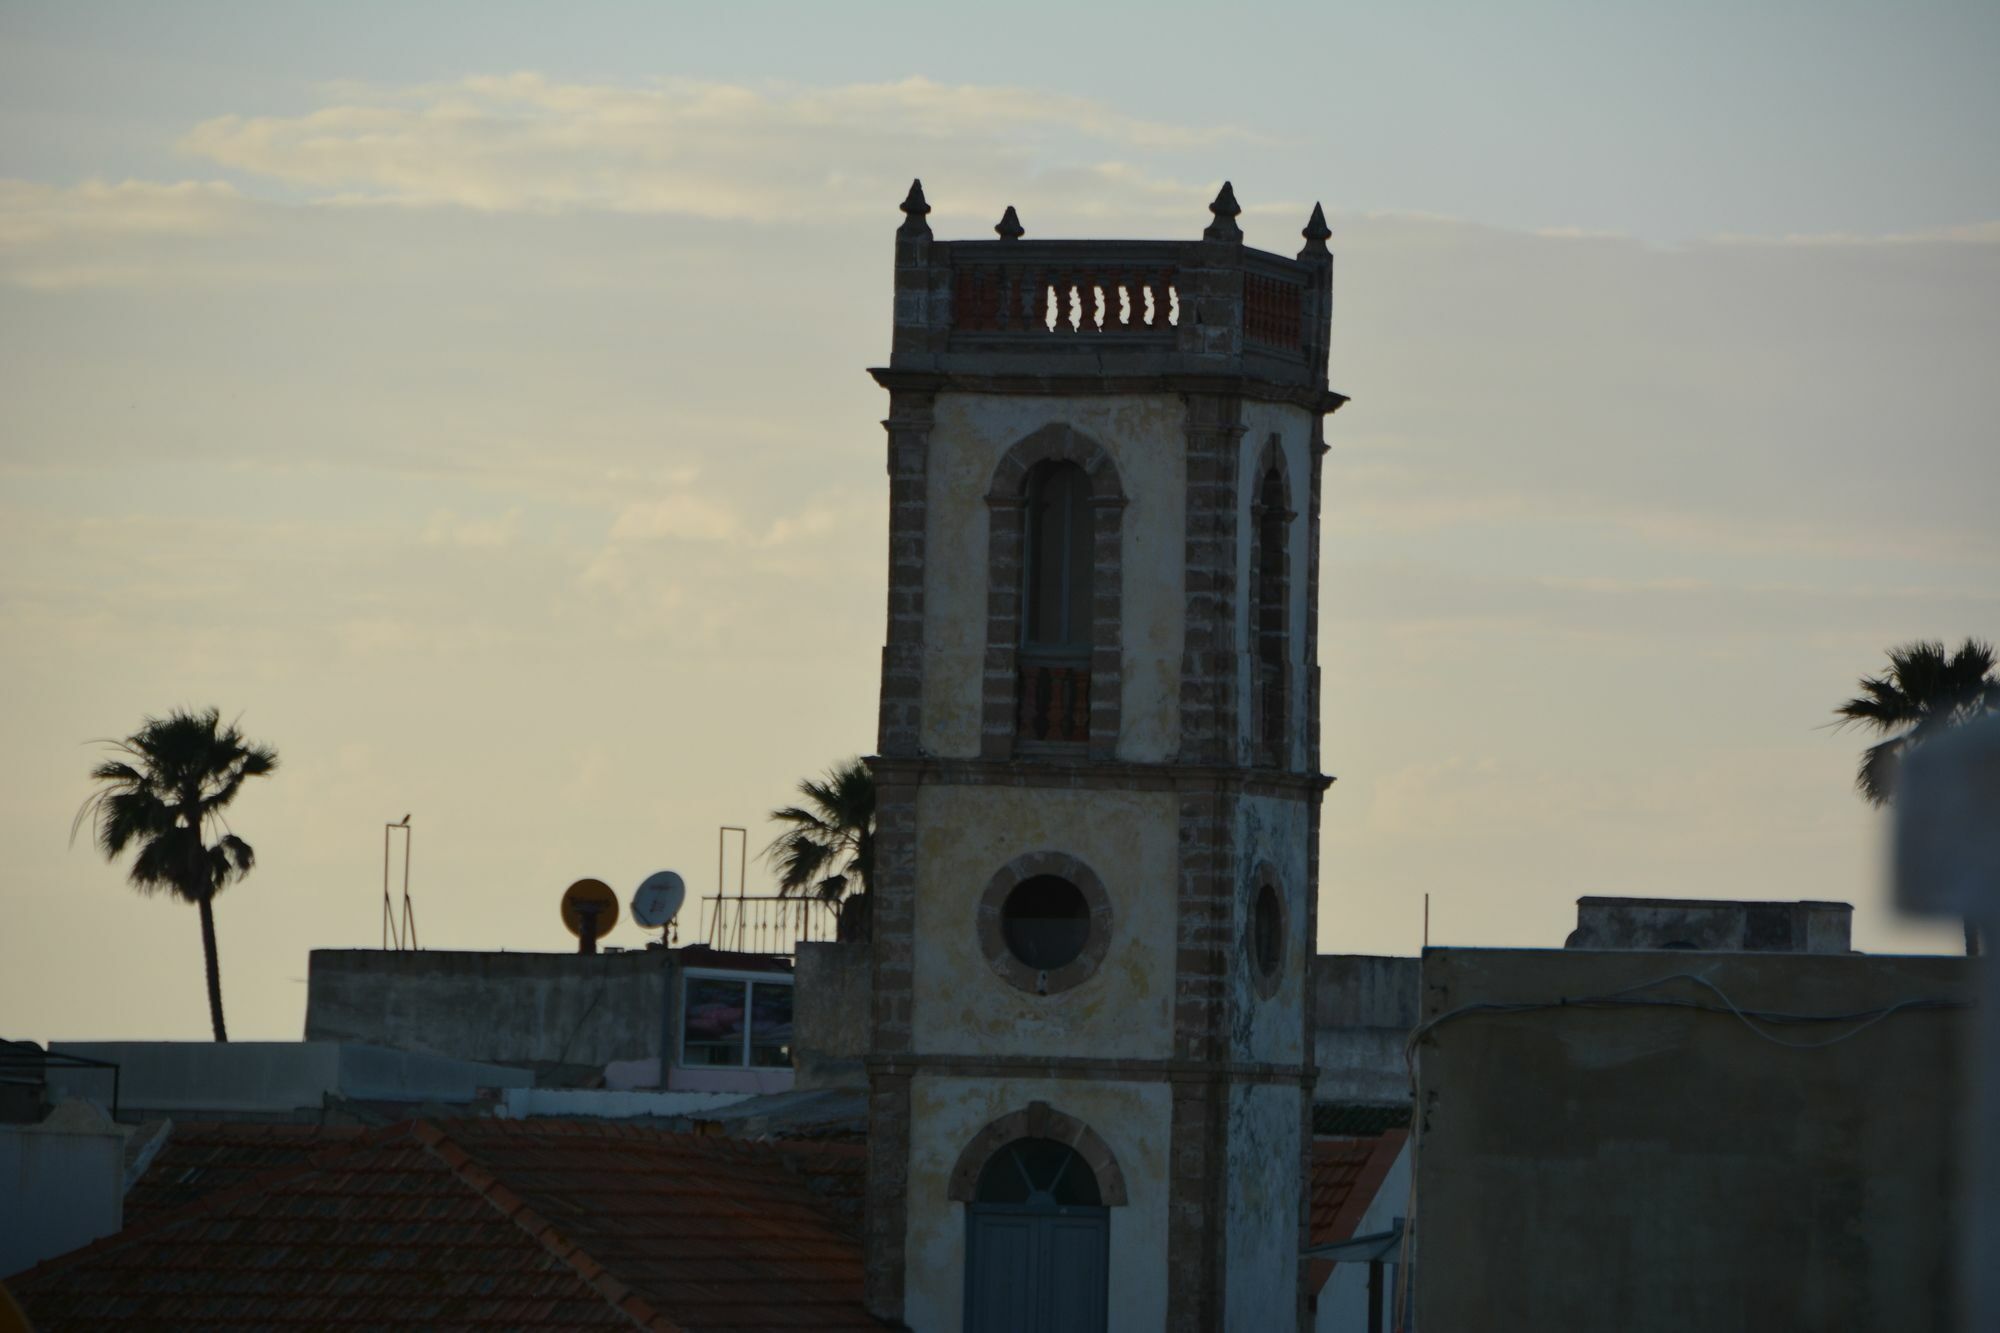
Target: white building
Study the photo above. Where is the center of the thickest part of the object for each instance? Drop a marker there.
(1098, 784)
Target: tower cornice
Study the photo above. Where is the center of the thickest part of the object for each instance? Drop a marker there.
(1074, 380)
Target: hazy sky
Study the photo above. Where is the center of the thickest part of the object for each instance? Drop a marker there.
(474, 400)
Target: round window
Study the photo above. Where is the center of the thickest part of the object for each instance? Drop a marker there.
(1045, 922)
(1267, 933)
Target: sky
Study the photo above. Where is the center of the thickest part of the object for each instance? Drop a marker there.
(472, 399)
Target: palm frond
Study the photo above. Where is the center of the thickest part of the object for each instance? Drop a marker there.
(1876, 778)
(827, 844)
(1926, 691)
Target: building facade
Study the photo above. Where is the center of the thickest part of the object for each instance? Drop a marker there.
(1090, 1055)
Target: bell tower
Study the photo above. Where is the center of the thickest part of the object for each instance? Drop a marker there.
(1098, 784)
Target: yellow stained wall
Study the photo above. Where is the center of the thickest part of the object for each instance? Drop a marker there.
(1134, 1120)
(1128, 838)
(1145, 435)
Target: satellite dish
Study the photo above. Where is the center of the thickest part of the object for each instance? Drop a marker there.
(655, 901)
(589, 909)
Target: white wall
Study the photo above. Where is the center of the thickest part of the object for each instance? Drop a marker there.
(1135, 1122)
(968, 833)
(1273, 831)
(1343, 1301)
(62, 1185)
(1265, 1124)
(1145, 435)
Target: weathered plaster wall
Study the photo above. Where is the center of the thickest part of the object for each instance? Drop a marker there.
(1263, 1231)
(967, 833)
(1713, 925)
(1293, 427)
(830, 1014)
(1655, 1170)
(1364, 1009)
(587, 1009)
(1144, 435)
(1133, 1119)
(1274, 832)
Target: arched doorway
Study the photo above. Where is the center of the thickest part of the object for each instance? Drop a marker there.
(1037, 1242)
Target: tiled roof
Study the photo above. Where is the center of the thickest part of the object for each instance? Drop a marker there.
(1346, 1173)
(199, 1159)
(1359, 1120)
(477, 1224)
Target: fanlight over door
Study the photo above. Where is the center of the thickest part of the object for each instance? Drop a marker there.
(1037, 1243)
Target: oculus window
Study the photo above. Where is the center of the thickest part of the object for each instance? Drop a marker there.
(1045, 922)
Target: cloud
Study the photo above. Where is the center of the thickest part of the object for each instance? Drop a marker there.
(446, 528)
(114, 234)
(32, 212)
(522, 142)
(678, 517)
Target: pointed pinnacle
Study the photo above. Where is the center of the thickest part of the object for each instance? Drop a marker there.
(1224, 227)
(914, 209)
(1009, 226)
(1316, 233)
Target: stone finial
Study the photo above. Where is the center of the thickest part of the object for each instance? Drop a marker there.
(1009, 226)
(1316, 233)
(1224, 227)
(914, 209)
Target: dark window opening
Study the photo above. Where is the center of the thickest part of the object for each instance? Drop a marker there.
(1045, 922)
(1267, 932)
(1059, 559)
(1269, 610)
(1054, 691)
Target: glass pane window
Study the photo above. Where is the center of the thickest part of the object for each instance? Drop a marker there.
(1059, 558)
(1038, 1172)
(712, 1021)
(770, 1024)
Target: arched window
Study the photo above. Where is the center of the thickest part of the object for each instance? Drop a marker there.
(1040, 1174)
(1269, 609)
(1059, 560)
(1056, 604)
(1037, 1242)
(1052, 676)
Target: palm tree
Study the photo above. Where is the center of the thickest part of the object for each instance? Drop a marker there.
(162, 799)
(1924, 692)
(828, 846)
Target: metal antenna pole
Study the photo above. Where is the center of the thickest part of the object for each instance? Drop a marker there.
(388, 913)
(409, 912)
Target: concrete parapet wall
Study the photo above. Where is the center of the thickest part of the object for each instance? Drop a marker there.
(585, 1009)
(187, 1078)
(1709, 926)
(1364, 1007)
(1657, 1168)
(830, 1012)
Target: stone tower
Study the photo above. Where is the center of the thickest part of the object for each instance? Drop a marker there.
(1098, 783)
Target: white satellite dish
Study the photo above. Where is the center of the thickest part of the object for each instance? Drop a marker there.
(655, 901)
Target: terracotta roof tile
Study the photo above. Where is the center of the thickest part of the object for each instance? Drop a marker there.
(1346, 1173)
(472, 1224)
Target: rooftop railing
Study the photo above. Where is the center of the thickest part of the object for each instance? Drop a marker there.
(1207, 305)
(769, 924)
